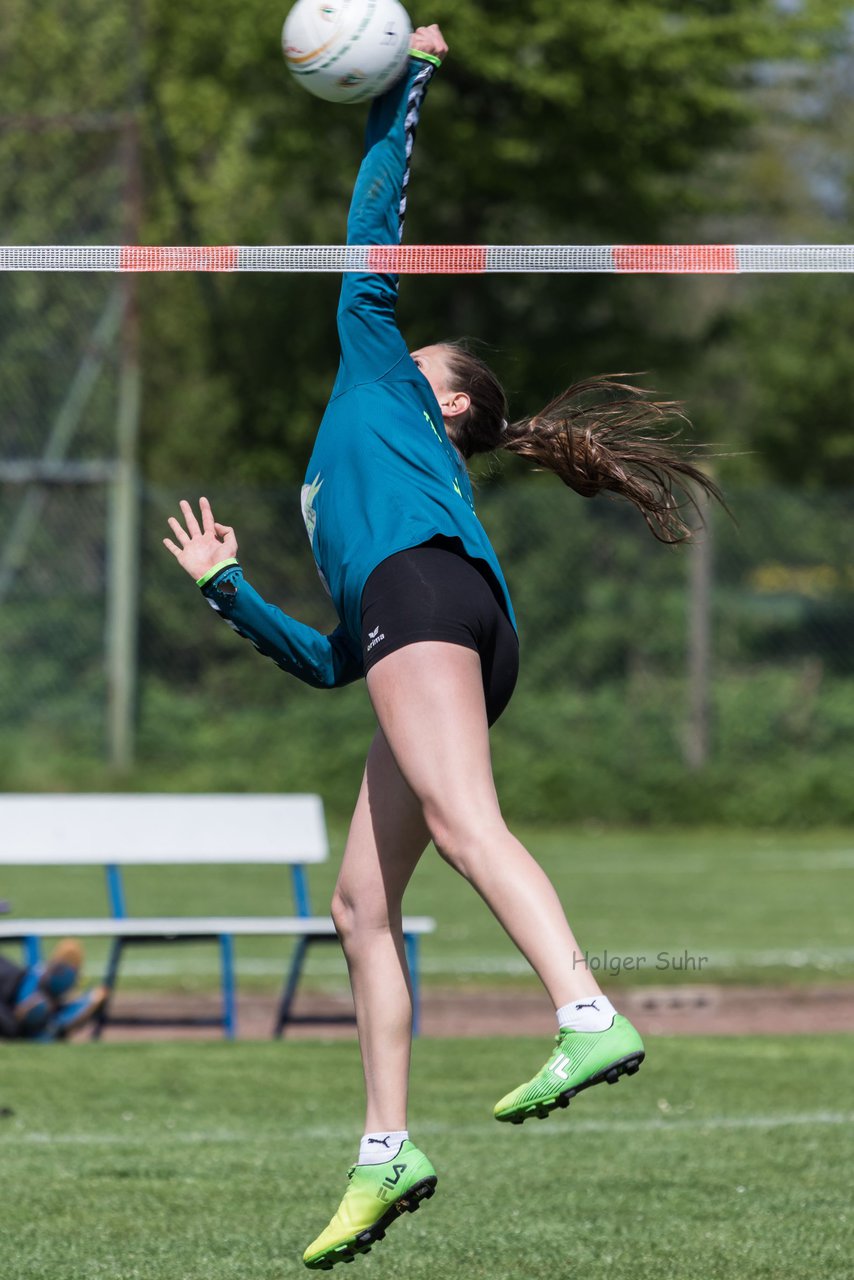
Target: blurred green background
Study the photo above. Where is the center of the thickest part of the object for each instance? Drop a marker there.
(700, 906)
(706, 685)
(679, 754)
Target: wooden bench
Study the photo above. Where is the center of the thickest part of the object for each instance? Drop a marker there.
(115, 831)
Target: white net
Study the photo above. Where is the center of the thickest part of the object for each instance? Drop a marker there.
(713, 259)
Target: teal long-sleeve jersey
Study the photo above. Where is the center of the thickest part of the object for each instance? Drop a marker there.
(383, 475)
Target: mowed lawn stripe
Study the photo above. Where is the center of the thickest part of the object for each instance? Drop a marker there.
(761, 906)
(722, 1159)
(343, 1134)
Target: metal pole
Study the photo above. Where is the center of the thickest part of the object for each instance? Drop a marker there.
(700, 571)
(122, 620)
(123, 572)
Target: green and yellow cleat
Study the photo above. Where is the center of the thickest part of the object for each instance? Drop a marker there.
(580, 1059)
(377, 1195)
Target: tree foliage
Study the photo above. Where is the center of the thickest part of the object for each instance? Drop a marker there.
(640, 120)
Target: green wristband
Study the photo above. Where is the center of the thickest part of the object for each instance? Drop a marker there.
(206, 577)
(428, 57)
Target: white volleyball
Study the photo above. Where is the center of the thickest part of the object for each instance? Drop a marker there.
(346, 50)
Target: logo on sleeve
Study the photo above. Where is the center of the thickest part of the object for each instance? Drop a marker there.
(308, 494)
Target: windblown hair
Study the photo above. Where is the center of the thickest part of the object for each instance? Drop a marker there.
(602, 435)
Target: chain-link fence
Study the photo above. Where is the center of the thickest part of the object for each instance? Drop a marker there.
(68, 156)
(712, 682)
(715, 681)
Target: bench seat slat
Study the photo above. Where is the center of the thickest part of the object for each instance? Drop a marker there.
(115, 830)
(157, 829)
(187, 926)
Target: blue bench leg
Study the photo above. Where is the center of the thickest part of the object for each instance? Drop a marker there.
(229, 1001)
(410, 941)
(110, 978)
(297, 961)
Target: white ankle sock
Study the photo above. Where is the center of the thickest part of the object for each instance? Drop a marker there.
(376, 1148)
(595, 1014)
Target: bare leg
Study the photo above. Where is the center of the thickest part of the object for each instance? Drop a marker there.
(387, 837)
(428, 698)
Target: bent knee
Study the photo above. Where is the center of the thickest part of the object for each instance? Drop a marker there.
(465, 843)
(355, 919)
(341, 910)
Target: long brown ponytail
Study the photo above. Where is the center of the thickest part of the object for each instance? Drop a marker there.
(603, 435)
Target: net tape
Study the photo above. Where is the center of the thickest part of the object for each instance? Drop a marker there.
(449, 259)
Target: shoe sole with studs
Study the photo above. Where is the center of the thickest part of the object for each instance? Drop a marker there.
(627, 1066)
(362, 1242)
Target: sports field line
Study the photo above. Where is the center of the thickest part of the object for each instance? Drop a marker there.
(700, 864)
(343, 1132)
(455, 966)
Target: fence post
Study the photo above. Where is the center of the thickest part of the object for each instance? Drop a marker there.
(125, 496)
(697, 742)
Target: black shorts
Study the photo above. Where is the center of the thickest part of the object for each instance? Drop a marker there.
(432, 592)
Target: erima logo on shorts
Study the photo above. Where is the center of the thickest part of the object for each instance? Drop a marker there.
(374, 638)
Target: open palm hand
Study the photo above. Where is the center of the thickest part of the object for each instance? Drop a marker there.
(197, 548)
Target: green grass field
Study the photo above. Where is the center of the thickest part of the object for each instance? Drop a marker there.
(723, 1159)
(746, 906)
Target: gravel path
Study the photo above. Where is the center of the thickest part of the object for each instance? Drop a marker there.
(686, 1010)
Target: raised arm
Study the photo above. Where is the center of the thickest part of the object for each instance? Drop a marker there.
(370, 342)
(208, 553)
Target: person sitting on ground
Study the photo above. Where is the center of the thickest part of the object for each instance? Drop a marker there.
(38, 1002)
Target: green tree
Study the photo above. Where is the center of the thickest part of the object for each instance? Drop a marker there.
(570, 122)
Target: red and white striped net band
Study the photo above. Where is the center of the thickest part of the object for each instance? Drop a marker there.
(447, 259)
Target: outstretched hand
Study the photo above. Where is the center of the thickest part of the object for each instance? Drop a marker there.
(429, 40)
(198, 549)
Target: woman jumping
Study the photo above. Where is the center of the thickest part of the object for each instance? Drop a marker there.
(426, 618)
